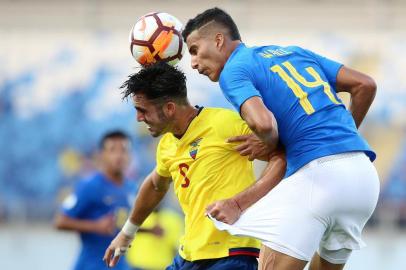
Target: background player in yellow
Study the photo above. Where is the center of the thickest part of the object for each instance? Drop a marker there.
(204, 167)
(162, 230)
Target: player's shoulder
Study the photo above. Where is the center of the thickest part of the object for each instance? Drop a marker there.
(215, 113)
(221, 117)
(297, 50)
(167, 138)
(293, 48)
(166, 141)
(92, 181)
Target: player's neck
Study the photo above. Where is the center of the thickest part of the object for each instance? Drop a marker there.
(232, 46)
(116, 178)
(185, 117)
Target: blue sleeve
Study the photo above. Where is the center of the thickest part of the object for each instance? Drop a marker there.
(329, 67)
(77, 203)
(237, 85)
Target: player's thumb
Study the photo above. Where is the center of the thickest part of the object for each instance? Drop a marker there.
(209, 208)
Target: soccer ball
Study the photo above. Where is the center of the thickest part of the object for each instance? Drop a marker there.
(157, 37)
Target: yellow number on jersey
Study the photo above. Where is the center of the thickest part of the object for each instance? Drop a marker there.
(297, 90)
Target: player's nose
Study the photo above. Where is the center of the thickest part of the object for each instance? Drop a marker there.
(194, 62)
(140, 117)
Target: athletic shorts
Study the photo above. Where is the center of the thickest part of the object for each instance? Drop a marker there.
(324, 206)
(237, 262)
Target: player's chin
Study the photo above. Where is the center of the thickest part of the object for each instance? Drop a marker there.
(214, 77)
(155, 133)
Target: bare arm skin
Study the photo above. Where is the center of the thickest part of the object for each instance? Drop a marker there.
(229, 210)
(252, 146)
(151, 193)
(261, 121)
(362, 89)
(104, 225)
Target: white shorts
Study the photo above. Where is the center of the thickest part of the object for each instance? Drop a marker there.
(323, 206)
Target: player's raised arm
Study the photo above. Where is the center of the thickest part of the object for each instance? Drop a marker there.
(362, 89)
(229, 210)
(151, 193)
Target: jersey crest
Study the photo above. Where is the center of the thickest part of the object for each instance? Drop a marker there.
(194, 147)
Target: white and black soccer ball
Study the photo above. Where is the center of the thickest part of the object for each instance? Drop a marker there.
(157, 36)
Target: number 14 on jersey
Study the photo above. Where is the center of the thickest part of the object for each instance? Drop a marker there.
(297, 89)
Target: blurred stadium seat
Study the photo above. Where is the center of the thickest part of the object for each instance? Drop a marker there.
(61, 65)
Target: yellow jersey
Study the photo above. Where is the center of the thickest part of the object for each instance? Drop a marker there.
(205, 168)
(146, 245)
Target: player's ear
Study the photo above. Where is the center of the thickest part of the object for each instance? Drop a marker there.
(219, 39)
(169, 109)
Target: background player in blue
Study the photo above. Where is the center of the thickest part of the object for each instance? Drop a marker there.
(319, 206)
(99, 206)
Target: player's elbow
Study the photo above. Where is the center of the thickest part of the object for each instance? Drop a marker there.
(261, 125)
(263, 128)
(278, 157)
(366, 88)
(281, 160)
(266, 129)
(369, 85)
(59, 222)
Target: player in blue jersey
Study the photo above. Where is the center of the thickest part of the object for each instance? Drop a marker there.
(99, 206)
(331, 187)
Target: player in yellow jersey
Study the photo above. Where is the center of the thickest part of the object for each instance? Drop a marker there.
(163, 227)
(194, 154)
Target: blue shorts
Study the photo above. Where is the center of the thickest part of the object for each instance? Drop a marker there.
(238, 262)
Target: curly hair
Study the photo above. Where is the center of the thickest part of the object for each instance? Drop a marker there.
(159, 82)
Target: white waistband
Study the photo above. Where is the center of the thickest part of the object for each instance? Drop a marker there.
(317, 162)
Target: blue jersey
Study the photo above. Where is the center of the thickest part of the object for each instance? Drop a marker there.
(298, 87)
(92, 199)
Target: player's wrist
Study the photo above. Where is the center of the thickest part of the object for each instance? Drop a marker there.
(238, 205)
(130, 229)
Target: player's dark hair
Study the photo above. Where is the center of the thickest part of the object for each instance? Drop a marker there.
(160, 82)
(214, 14)
(114, 134)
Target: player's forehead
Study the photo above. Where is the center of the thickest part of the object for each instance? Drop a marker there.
(193, 38)
(116, 142)
(141, 101)
(204, 32)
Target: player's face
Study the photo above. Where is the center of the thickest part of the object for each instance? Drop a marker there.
(151, 114)
(206, 54)
(116, 155)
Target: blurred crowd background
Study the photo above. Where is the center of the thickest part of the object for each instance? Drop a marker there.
(61, 65)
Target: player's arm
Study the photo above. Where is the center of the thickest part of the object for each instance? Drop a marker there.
(252, 146)
(260, 120)
(237, 85)
(104, 225)
(151, 193)
(362, 89)
(73, 215)
(229, 210)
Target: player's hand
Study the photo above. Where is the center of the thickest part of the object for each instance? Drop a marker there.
(226, 211)
(251, 146)
(106, 225)
(118, 247)
(158, 231)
